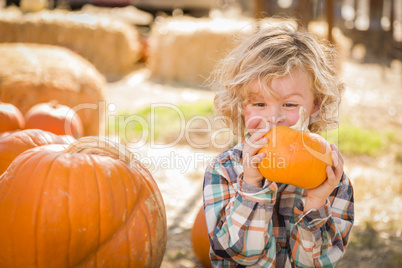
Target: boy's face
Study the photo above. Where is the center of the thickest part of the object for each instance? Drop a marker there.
(281, 105)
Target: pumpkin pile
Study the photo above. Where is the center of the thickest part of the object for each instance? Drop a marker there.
(87, 204)
(18, 142)
(54, 117)
(11, 118)
(50, 116)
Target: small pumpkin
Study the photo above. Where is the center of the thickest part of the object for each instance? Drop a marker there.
(88, 205)
(295, 156)
(11, 117)
(17, 142)
(54, 117)
(200, 239)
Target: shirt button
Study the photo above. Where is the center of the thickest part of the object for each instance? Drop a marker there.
(278, 248)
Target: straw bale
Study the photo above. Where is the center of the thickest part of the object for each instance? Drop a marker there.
(186, 49)
(35, 73)
(113, 46)
(128, 14)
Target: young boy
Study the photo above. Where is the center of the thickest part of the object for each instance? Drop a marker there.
(255, 222)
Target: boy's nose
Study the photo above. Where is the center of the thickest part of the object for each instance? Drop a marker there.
(277, 120)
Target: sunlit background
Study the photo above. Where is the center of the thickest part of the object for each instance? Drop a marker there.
(143, 66)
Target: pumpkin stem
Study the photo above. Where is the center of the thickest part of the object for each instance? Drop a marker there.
(301, 124)
(100, 146)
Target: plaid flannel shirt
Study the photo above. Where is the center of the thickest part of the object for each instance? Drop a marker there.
(267, 227)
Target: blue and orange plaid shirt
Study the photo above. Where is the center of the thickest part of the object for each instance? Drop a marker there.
(266, 227)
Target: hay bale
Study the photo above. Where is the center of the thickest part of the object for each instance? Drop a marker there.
(187, 49)
(33, 73)
(129, 14)
(113, 46)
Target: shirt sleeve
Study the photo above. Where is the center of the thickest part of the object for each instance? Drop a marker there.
(239, 222)
(320, 237)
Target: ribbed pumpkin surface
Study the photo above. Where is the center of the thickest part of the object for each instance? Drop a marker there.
(80, 207)
(17, 142)
(200, 240)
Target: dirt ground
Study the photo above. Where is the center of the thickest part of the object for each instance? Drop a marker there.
(372, 99)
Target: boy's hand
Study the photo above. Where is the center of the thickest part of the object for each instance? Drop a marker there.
(252, 175)
(317, 197)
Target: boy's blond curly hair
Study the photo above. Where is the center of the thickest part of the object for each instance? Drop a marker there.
(269, 52)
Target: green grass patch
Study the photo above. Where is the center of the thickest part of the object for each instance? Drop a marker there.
(355, 141)
(158, 122)
(352, 140)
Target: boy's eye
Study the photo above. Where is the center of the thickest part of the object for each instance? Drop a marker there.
(290, 105)
(259, 104)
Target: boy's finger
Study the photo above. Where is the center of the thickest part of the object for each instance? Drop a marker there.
(331, 177)
(334, 173)
(338, 171)
(335, 159)
(259, 133)
(255, 160)
(255, 146)
(250, 151)
(339, 155)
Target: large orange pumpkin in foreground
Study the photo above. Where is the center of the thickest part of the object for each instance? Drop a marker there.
(90, 205)
(3, 134)
(295, 157)
(54, 117)
(200, 239)
(11, 117)
(17, 142)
